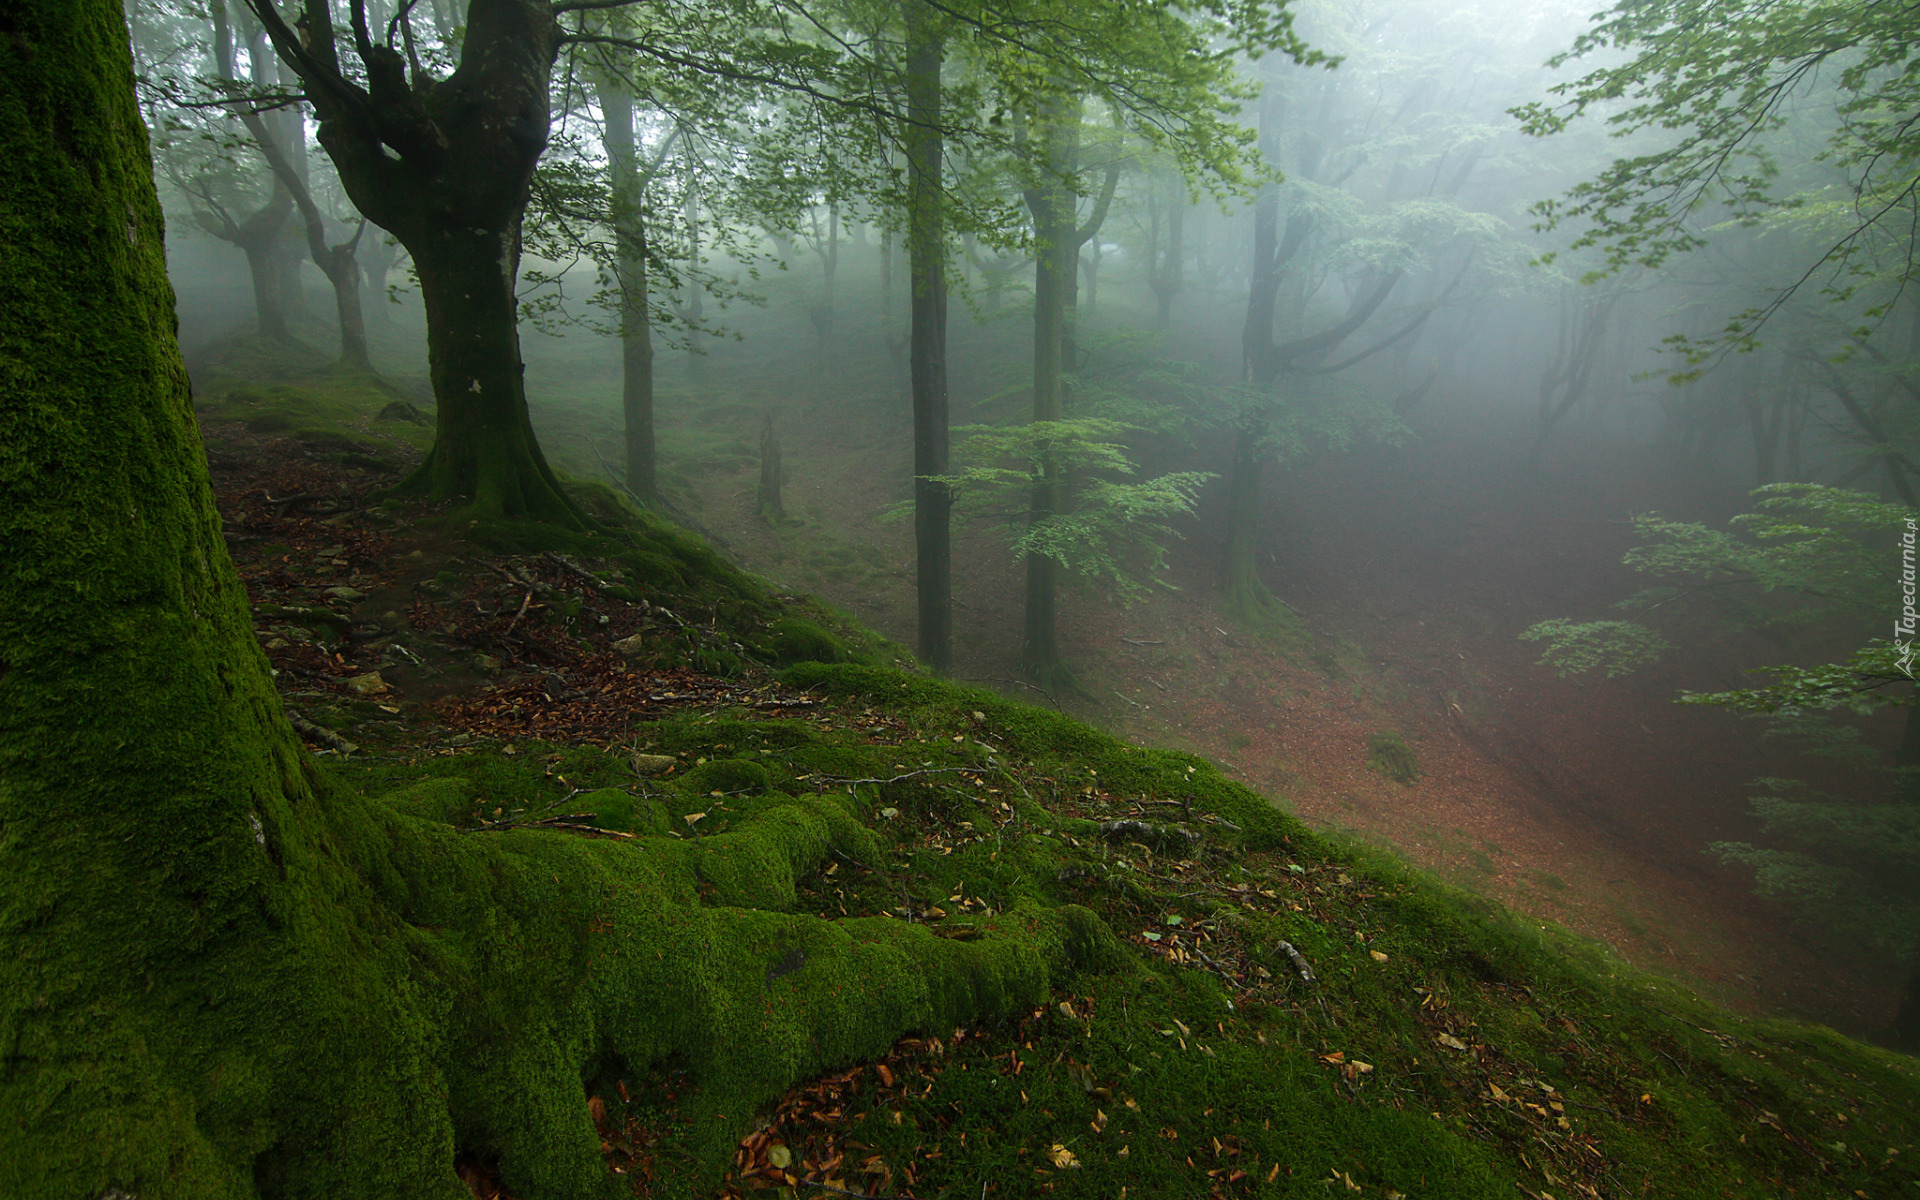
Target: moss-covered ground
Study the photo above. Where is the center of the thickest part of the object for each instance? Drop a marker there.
(1274, 1014)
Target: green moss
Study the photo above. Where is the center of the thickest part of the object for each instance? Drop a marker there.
(793, 640)
(727, 775)
(1388, 754)
(223, 974)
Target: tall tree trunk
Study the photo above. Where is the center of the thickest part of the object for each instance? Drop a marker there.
(222, 976)
(926, 266)
(694, 309)
(484, 450)
(1164, 274)
(630, 269)
(828, 248)
(447, 169)
(1247, 599)
(288, 131)
(1090, 268)
(257, 237)
(193, 1009)
(886, 274)
(1050, 200)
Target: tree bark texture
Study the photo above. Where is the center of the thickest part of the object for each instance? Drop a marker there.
(927, 353)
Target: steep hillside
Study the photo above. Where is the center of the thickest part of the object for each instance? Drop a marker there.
(1273, 1013)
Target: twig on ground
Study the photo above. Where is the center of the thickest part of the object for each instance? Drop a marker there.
(1298, 960)
(319, 734)
(1219, 970)
(517, 616)
(1148, 832)
(843, 781)
(1023, 683)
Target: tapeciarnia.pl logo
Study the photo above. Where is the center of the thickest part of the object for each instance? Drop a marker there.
(1903, 629)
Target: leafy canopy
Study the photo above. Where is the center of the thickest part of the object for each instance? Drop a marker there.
(1732, 96)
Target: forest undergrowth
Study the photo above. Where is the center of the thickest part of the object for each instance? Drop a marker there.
(1286, 1015)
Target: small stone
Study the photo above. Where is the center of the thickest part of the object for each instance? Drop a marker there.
(651, 764)
(278, 643)
(630, 647)
(350, 595)
(332, 552)
(369, 684)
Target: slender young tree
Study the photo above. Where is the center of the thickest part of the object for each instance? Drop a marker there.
(1052, 199)
(926, 268)
(1051, 202)
(630, 273)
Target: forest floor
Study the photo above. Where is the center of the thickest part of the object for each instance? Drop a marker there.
(402, 644)
(1590, 804)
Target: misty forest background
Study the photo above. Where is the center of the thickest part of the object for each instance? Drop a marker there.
(1368, 396)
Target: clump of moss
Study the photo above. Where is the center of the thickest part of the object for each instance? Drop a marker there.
(797, 641)
(1388, 754)
(730, 775)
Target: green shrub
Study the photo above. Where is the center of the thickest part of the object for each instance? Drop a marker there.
(1388, 754)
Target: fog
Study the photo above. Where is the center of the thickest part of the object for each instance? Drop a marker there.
(1306, 545)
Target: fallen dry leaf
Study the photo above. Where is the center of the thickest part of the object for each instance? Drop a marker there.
(1062, 1157)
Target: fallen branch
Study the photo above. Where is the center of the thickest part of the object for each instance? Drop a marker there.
(1298, 960)
(842, 781)
(319, 734)
(582, 827)
(576, 570)
(1219, 970)
(517, 616)
(1149, 833)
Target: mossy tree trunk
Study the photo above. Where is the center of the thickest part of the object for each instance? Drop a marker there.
(172, 947)
(222, 977)
(446, 166)
(926, 265)
(630, 270)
